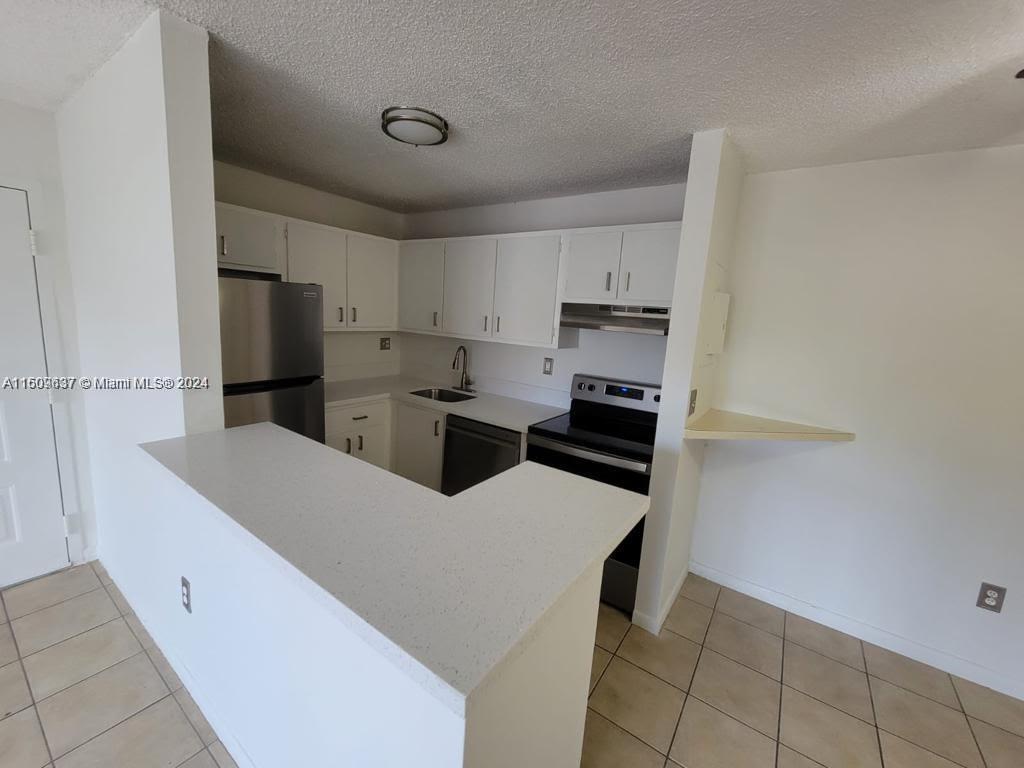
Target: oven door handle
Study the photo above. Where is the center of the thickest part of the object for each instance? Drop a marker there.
(582, 453)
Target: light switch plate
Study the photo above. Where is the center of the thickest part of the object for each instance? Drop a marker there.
(549, 366)
(385, 342)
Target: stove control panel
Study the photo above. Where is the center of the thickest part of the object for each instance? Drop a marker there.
(626, 394)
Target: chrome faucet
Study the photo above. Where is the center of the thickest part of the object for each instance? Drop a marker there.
(464, 380)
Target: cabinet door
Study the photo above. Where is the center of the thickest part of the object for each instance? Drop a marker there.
(316, 254)
(249, 239)
(469, 286)
(419, 444)
(372, 445)
(421, 285)
(592, 266)
(525, 288)
(372, 282)
(342, 441)
(648, 269)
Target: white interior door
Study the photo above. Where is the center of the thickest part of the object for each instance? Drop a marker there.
(32, 537)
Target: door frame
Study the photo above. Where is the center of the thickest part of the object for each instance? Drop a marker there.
(45, 208)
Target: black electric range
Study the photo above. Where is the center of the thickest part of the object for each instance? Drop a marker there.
(608, 435)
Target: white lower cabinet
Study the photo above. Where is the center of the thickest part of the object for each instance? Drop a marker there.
(363, 431)
(419, 444)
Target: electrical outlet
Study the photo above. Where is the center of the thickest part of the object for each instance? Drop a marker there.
(549, 366)
(186, 594)
(991, 597)
(385, 342)
(693, 402)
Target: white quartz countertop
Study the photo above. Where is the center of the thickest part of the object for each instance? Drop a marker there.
(507, 412)
(444, 587)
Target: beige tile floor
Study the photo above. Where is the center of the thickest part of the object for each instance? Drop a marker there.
(732, 682)
(82, 684)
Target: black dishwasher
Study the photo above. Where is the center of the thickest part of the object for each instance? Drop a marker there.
(474, 451)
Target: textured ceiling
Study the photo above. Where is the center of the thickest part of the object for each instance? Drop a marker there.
(563, 96)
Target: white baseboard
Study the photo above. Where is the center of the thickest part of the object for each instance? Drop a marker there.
(653, 624)
(939, 659)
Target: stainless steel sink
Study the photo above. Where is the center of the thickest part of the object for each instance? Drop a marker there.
(442, 395)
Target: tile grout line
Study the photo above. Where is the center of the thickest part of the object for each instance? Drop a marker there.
(11, 620)
(696, 664)
(94, 674)
(183, 687)
(923, 748)
(782, 686)
(112, 727)
(31, 695)
(72, 637)
(970, 726)
(871, 698)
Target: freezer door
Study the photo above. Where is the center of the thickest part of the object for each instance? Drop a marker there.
(299, 407)
(270, 330)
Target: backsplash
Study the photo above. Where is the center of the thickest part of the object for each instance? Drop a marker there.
(351, 355)
(514, 371)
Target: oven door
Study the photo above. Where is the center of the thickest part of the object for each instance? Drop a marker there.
(622, 568)
(621, 472)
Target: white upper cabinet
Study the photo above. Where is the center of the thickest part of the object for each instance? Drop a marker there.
(421, 285)
(526, 288)
(648, 269)
(372, 282)
(469, 287)
(317, 254)
(592, 266)
(250, 240)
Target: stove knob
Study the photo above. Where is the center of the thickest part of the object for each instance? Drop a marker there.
(657, 398)
(581, 386)
(591, 387)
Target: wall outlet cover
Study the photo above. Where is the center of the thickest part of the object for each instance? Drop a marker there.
(385, 342)
(693, 402)
(991, 597)
(186, 594)
(549, 366)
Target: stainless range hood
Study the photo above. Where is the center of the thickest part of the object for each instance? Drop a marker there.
(605, 317)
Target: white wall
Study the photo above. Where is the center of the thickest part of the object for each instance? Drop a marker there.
(132, 244)
(29, 160)
(716, 173)
(514, 371)
(267, 193)
(885, 298)
(357, 355)
(641, 205)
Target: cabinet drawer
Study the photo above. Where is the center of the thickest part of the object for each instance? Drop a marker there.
(347, 418)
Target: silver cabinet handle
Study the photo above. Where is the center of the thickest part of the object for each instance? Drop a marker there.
(341, 314)
(608, 281)
(485, 323)
(627, 281)
(360, 442)
(435, 319)
(359, 418)
(223, 245)
(348, 445)
(497, 324)
(437, 428)
(353, 314)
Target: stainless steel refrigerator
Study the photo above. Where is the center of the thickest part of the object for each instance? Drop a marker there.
(272, 351)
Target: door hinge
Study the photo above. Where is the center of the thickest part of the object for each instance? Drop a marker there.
(32, 243)
(72, 525)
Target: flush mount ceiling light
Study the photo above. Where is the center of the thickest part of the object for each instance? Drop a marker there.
(412, 125)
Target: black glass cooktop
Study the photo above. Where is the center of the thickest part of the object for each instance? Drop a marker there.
(617, 431)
